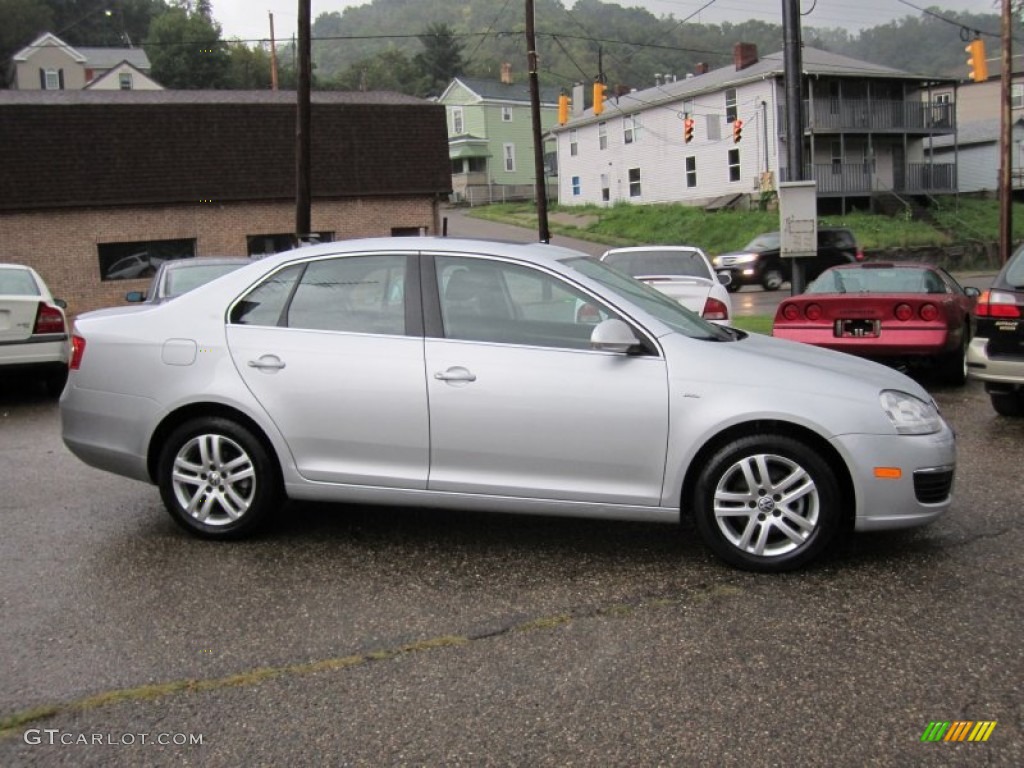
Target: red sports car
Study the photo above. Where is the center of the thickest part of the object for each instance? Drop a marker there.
(901, 314)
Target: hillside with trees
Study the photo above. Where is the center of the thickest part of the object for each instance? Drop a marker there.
(416, 46)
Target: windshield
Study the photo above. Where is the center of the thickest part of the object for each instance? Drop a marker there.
(183, 280)
(659, 262)
(651, 301)
(765, 242)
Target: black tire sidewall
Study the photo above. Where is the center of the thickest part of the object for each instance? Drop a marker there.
(268, 485)
(830, 510)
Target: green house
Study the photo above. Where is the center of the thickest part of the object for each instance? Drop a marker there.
(490, 137)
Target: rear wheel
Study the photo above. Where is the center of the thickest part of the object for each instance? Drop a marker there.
(1008, 403)
(216, 479)
(953, 366)
(767, 503)
(54, 382)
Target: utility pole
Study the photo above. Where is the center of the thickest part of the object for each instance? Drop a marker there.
(793, 67)
(273, 56)
(1006, 133)
(302, 125)
(543, 233)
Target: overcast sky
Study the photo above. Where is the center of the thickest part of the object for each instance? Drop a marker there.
(249, 19)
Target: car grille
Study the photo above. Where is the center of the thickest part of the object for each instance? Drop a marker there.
(932, 486)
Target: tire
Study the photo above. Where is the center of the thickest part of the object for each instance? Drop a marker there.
(953, 366)
(217, 480)
(54, 383)
(772, 278)
(1009, 404)
(753, 526)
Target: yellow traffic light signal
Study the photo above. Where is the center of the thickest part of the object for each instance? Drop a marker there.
(737, 130)
(599, 91)
(563, 109)
(688, 130)
(977, 67)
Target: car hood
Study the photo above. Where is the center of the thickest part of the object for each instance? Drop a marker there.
(759, 364)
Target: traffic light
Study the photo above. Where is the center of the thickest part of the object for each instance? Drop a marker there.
(737, 130)
(599, 91)
(563, 109)
(977, 67)
(688, 130)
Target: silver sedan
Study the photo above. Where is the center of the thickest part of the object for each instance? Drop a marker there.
(462, 374)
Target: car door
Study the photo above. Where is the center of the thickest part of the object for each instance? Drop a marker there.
(333, 351)
(521, 406)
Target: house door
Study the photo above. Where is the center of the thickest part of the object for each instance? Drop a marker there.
(899, 168)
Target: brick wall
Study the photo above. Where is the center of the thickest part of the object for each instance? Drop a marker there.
(62, 245)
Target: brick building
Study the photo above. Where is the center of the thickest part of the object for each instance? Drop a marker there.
(99, 185)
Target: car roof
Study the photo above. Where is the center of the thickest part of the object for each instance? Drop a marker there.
(203, 260)
(645, 248)
(536, 253)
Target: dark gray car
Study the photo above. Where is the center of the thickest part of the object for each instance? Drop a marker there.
(179, 276)
(761, 263)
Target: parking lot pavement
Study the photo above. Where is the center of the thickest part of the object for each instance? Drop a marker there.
(363, 636)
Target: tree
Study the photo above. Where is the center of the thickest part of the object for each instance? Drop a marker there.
(185, 51)
(24, 21)
(441, 58)
(248, 68)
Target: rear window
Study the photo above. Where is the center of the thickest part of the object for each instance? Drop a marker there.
(765, 242)
(1015, 270)
(835, 238)
(17, 282)
(644, 263)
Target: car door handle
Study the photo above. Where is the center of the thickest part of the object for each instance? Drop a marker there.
(458, 373)
(267, 363)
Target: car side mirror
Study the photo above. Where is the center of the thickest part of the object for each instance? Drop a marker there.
(725, 278)
(135, 296)
(972, 292)
(613, 335)
(61, 303)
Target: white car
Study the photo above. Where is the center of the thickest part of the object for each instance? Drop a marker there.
(439, 372)
(33, 328)
(683, 272)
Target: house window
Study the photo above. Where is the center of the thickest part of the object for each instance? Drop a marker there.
(574, 142)
(506, 114)
(575, 186)
(264, 245)
(602, 135)
(734, 165)
(714, 127)
(458, 128)
(605, 189)
(139, 260)
(730, 105)
(1017, 96)
(52, 80)
(947, 98)
(634, 182)
(508, 151)
(691, 172)
(631, 129)
(124, 79)
(837, 157)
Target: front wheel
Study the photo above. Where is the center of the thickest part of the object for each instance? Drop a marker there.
(767, 503)
(773, 278)
(1008, 403)
(216, 479)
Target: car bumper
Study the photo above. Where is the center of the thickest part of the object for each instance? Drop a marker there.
(1004, 370)
(891, 343)
(34, 353)
(106, 430)
(900, 481)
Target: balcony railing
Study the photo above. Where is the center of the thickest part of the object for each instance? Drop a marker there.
(835, 179)
(875, 115)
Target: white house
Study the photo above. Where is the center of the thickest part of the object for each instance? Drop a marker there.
(975, 151)
(50, 64)
(864, 135)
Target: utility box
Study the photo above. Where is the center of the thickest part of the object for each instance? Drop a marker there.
(798, 218)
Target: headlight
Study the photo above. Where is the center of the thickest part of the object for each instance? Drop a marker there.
(745, 258)
(910, 415)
